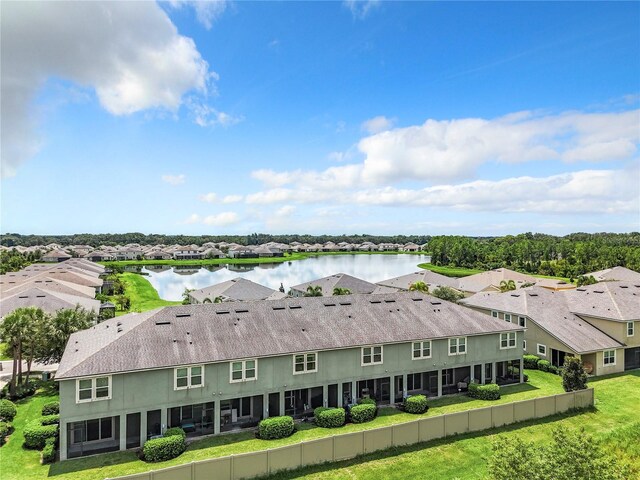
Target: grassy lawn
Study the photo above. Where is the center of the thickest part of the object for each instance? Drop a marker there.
(142, 294)
(450, 271)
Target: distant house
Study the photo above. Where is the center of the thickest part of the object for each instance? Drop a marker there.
(158, 255)
(615, 274)
(56, 256)
(432, 279)
(238, 289)
(340, 280)
(240, 251)
(49, 301)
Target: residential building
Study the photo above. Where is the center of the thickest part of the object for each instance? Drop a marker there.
(235, 290)
(340, 280)
(219, 367)
(432, 279)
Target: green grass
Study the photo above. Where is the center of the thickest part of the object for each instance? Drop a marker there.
(244, 261)
(142, 294)
(450, 271)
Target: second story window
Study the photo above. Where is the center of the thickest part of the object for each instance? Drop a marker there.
(93, 389)
(507, 317)
(507, 340)
(305, 363)
(458, 346)
(421, 350)
(244, 370)
(188, 377)
(522, 321)
(372, 355)
(630, 329)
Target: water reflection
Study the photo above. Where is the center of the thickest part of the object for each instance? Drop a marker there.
(171, 281)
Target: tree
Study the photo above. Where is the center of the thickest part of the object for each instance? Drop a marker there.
(341, 291)
(185, 296)
(13, 330)
(507, 285)
(36, 337)
(419, 287)
(59, 329)
(573, 375)
(584, 280)
(313, 291)
(447, 293)
(571, 455)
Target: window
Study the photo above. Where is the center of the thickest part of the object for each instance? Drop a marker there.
(305, 363)
(92, 389)
(524, 345)
(630, 329)
(414, 381)
(494, 314)
(92, 430)
(542, 350)
(372, 355)
(522, 321)
(244, 371)
(507, 317)
(188, 377)
(458, 346)
(610, 357)
(507, 340)
(421, 350)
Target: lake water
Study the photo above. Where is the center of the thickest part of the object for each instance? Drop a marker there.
(170, 282)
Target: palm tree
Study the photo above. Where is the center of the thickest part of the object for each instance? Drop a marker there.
(507, 285)
(584, 280)
(341, 291)
(419, 286)
(13, 330)
(218, 299)
(313, 291)
(185, 296)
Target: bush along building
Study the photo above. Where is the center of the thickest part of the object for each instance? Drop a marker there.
(218, 367)
(597, 323)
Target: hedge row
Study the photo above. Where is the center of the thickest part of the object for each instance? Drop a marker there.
(362, 413)
(416, 404)
(536, 363)
(50, 420)
(51, 408)
(329, 417)
(490, 391)
(6, 429)
(36, 434)
(49, 451)
(165, 448)
(8, 410)
(531, 361)
(276, 427)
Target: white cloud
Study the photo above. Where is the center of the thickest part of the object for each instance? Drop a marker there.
(207, 116)
(193, 218)
(221, 219)
(285, 211)
(360, 8)
(377, 124)
(232, 199)
(129, 53)
(207, 11)
(208, 197)
(174, 179)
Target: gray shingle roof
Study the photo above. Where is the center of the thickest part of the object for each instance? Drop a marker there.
(551, 310)
(430, 278)
(239, 289)
(619, 301)
(208, 333)
(47, 300)
(616, 274)
(491, 280)
(342, 280)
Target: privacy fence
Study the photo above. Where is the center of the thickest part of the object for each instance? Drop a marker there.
(348, 445)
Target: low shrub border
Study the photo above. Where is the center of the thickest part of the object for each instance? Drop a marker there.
(531, 361)
(165, 448)
(329, 417)
(276, 427)
(416, 404)
(51, 408)
(6, 429)
(36, 434)
(544, 365)
(50, 420)
(8, 410)
(490, 391)
(49, 451)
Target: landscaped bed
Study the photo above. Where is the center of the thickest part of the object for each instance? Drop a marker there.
(616, 402)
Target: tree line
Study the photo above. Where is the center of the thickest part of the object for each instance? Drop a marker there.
(569, 256)
(12, 260)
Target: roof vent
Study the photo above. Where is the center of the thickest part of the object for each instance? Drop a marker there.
(389, 301)
(159, 322)
(533, 294)
(436, 303)
(119, 324)
(242, 311)
(294, 307)
(376, 301)
(40, 296)
(581, 289)
(624, 286)
(182, 315)
(515, 294)
(222, 312)
(345, 303)
(329, 304)
(23, 296)
(278, 308)
(598, 291)
(303, 330)
(119, 330)
(416, 299)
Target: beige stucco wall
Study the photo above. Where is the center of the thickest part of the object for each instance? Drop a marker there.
(617, 330)
(599, 368)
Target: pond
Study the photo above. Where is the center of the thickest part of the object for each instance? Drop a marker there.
(170, 282)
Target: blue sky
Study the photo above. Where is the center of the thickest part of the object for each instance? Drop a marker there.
(329, 117)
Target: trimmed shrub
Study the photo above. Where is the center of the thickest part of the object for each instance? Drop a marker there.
(49, 451)
(366, 401)
(530, 361)
(170, 432)
(51, 408)
(416, 404)
(165, 448)
(490, 391)
(6, 429)
(276, 427)
(8, 410)
(329, 417)
(573, 375)
(544, 365)
(554, 369)
(22, 391)
(363, 413)
(50, 420)
(36, 434)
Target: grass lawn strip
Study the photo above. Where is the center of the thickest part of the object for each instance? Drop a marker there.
(141, 293)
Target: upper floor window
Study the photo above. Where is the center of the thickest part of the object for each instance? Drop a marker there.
(92, 389)
(244, 370)
(610, 357)
(494, 314)
(305, 363)
(458, 346)
(507, 340)
(542, 350)
(507, 317)
(422, 349)
(630, 329)
(188, 377)
(522, 321)
(372, 355)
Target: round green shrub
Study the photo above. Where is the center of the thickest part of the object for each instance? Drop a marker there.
(36, 434)
(165, 448)
(49, 451)
(8, 410)
(6, 429)
(51, 408)
(329, 417)
(276, 427)
(366, 401)
(363, 413)
(175, 431)
(531, 361)
(544, 365)
(416, 404)
(50, 420)
(490, 391)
